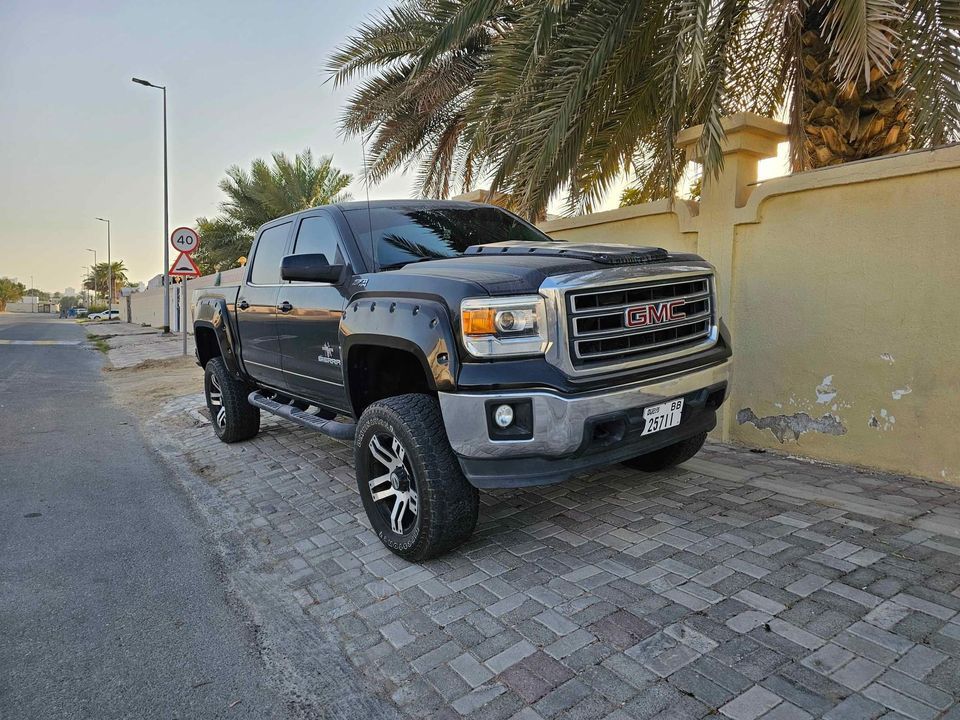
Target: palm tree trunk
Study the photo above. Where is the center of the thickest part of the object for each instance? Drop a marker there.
(849, 121)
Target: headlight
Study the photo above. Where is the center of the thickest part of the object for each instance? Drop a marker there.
(504, 326)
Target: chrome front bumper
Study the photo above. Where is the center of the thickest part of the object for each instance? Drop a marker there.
(559, 420)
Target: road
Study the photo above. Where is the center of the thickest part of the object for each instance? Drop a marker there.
(112, 603)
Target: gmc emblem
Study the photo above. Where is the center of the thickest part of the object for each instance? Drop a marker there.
(654, 313)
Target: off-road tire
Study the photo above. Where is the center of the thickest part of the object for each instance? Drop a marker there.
(669, 456)
(448, 504)
(241, 420)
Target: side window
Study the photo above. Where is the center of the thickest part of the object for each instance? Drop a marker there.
(319, 234)
(271, 248)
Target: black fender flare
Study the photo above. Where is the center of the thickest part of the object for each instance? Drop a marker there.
(212, 313)
(420, 327)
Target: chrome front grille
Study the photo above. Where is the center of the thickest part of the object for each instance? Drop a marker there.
(599, 321)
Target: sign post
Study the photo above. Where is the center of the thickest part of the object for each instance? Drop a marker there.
(185, 241)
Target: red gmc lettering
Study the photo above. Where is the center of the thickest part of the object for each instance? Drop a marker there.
(655, 313)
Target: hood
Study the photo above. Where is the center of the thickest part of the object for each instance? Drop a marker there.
(510, 268)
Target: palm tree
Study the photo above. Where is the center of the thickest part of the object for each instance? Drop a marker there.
(415, 110)
(97, 278)
(266, 192)
(289, 185)
(567, 95)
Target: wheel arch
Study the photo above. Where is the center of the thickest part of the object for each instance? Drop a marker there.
(395, 346)
(212, 334)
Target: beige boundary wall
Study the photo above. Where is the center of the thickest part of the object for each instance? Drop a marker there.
(841, 289)
(146, 308)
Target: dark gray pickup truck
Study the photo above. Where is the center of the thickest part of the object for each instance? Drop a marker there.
(458, 347)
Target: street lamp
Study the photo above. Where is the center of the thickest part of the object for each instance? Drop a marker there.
(93, 272)
(166, 210)
(109, 270)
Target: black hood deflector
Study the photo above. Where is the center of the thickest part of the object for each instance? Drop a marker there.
(606, 254)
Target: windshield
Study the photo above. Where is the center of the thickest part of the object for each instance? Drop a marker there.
(406, 235)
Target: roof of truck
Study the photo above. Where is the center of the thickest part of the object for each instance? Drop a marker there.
(405, 204)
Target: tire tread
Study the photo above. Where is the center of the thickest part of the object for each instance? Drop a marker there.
(453, 502)
(243, 419)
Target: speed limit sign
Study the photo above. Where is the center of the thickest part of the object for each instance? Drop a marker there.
(184, 240)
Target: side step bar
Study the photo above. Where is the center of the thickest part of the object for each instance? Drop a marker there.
(331, 428)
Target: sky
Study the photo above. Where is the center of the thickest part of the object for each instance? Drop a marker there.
(79, 140)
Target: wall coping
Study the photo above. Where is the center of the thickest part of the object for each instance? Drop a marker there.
(685, 210)
(860, 171)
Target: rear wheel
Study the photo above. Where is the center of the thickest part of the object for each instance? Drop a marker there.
(669, 456)
(414, 493)
(234, 419)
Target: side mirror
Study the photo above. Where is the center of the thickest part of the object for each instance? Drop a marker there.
(309, 268)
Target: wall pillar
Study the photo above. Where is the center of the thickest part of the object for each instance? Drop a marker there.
(749, 139)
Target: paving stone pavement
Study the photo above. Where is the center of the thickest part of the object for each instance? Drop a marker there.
(740, 585)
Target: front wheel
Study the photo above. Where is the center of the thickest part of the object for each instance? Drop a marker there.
(234, 419)
(669, 456)
(415, 495)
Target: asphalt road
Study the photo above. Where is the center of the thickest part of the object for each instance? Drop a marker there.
(112, 603)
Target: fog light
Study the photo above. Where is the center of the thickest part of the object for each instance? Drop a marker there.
(503, 416)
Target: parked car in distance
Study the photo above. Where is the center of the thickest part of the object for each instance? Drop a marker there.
(467, 350)
(105, 315)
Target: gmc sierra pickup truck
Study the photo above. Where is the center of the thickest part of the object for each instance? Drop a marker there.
(460, 348)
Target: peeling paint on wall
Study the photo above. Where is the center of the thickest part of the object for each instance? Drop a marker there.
(882, 420)
(897, 394)
(887, 357)
(796, 425)
(826, 392)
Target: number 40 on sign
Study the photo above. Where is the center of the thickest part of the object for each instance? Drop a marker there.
(186, 241)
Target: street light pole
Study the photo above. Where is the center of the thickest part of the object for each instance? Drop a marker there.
(109, 270)
(166, 209)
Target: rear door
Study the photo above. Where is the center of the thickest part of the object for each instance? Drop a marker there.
(309, 318)
(257, 306)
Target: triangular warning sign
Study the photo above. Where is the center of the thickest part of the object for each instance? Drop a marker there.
(185, 265)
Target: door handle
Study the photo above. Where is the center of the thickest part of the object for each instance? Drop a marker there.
(285, 307)
(243, 305)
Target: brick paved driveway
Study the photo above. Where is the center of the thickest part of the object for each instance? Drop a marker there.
(743, 584)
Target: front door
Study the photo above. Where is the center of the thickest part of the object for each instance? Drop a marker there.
(257, 306)
(309, 319)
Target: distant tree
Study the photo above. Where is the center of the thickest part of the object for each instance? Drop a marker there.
(639, 194)
(68, 301)
(222, 244)
(97, 278)
(41, 295)
(267, 191)
(10, 291)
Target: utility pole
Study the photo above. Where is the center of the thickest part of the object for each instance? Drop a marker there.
(166, 209)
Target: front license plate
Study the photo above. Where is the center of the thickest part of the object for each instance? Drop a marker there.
(662, 416)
